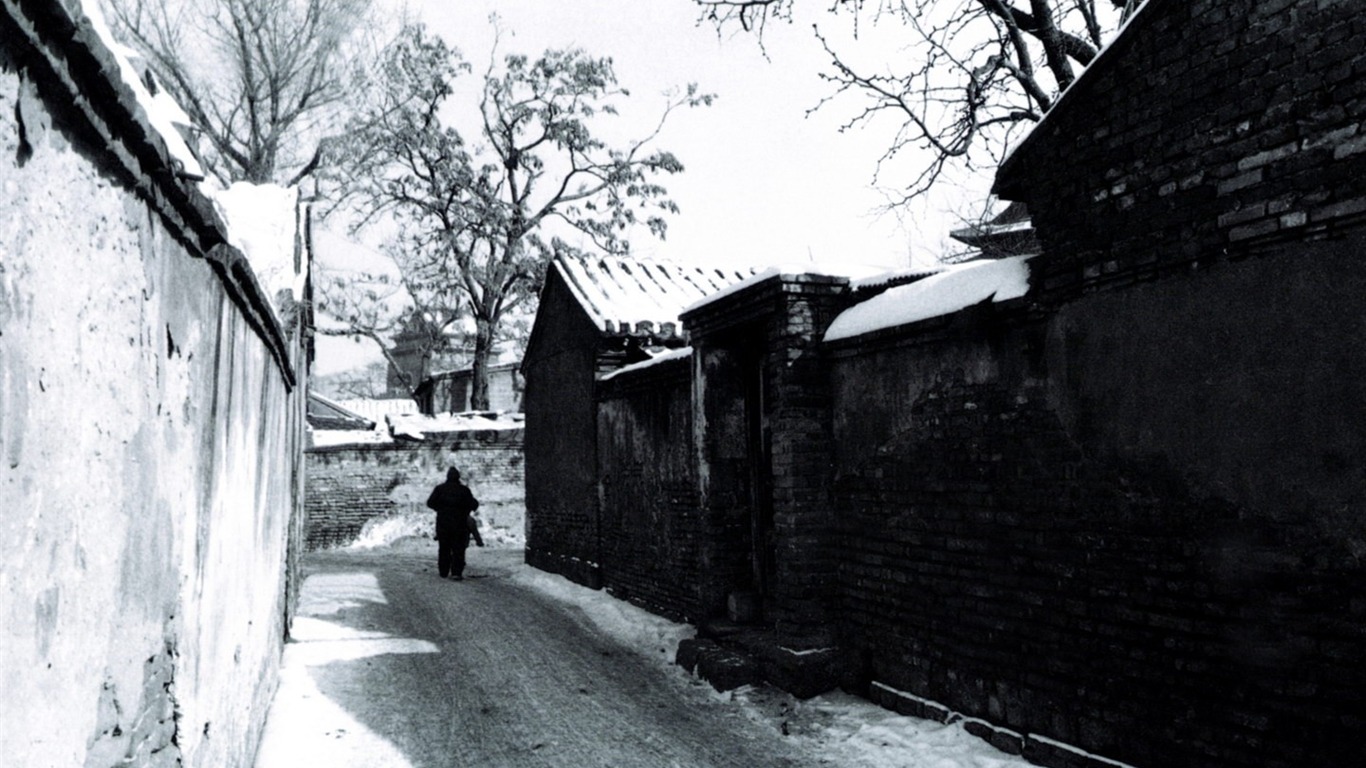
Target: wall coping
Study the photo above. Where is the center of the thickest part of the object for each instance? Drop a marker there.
(71, 64)
(749, 299)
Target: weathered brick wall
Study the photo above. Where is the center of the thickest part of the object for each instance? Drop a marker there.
(349, 486)
(561, 441)
(799, 422)
(151, 439)
(1128, 524)
(1210, 128)
(764, 448)
(650, 515)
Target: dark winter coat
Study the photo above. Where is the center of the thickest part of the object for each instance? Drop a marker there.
(454, 505)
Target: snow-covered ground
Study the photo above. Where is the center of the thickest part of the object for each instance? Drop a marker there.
(838, 727)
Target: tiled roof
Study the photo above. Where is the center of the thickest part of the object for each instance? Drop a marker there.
(630, 297)
(1009, 234)
(324, 413)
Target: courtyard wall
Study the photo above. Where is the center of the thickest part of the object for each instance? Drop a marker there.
(1126, 513)
(651, 520)
(350, 487)
(151, 424)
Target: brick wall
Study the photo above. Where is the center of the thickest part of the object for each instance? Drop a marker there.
(764, 450)
(1003, 559)
(1209, 129)
(561, 439)
(650, 517)
(350, 486)
(799, 423)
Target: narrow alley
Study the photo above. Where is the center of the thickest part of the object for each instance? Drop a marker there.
(393, 666)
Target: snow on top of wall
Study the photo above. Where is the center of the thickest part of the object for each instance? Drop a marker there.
(618, 294)
(262, 221)
(162, 112)
(845, 272)
(956, 288)
(663, 357)
(417, 426)
(328, 438)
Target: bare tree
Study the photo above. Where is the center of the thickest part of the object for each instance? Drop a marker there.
(976, 71)
(366, 382)
(479, 217)
(413, 318)
(261, 78)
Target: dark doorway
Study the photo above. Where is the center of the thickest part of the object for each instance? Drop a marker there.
(758, 447)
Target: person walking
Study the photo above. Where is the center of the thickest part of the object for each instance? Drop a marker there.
(455, 524)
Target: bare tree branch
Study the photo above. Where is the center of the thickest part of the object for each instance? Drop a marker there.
(263, 79)
(473, 213)
(977, 70)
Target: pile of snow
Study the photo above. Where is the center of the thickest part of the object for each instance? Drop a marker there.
(418, 524)
(634, 627)
(846, 730)
(383, 531)
(417, 426)
(330, 438)
(262, 222)
(956, 288)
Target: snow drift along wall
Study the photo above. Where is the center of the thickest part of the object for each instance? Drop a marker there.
(151, 419)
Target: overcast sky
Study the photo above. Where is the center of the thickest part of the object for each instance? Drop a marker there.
(764, 182)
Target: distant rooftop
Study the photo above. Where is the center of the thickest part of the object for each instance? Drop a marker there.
(327, 414)
(1010, 233)
(627, 296)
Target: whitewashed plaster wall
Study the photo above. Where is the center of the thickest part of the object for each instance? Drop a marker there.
(150, 472)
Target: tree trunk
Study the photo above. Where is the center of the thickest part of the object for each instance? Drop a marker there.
(479, 376)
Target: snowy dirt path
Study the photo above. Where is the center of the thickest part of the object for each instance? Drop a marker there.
(392, 666)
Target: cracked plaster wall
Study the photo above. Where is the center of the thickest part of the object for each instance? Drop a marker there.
(150, 460)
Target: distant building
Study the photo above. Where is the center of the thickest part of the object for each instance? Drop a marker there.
(449, 391)
(595, 316)
(326, 414)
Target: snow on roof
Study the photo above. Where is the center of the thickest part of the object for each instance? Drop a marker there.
(162, 112)
(377, 408)
(846, 272)
(957, 287)
(620, 294)
(417, 426)
(263, 223)
(324, 413)
(681, 353)
(891, 277)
